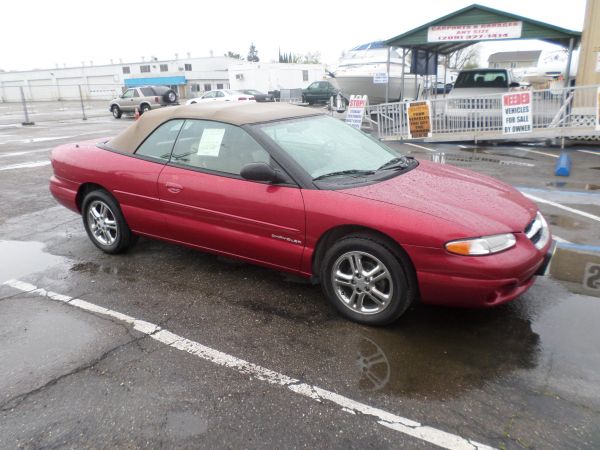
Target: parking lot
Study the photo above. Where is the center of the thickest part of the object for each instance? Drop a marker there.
(168, 347)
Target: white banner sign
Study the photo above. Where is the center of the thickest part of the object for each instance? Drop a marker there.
(356, 110)
(380, 78)
(486, 31)
(516, 113)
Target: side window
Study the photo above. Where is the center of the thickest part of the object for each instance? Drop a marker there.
(216, 146)
(136, 93)
(128, 93)
(209, 95)
(147, 92)
(220, 94)
(159, 144)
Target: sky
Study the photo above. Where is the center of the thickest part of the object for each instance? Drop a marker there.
(46, 33)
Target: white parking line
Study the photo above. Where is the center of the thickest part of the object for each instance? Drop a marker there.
(590, 152)
(560, 240)
(389, 420)
(44, 162)
(537, 151)
(566, 208)
(420, 146)
(40, 150)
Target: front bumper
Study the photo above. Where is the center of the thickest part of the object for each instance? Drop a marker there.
(482, 281)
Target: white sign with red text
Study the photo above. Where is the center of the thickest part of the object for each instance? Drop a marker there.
(356, 110)
(476, 32)
(516, 113)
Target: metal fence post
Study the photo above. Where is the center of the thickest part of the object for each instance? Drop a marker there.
(81, 99)
(27, 121)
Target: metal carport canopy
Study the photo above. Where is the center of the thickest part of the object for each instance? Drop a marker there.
(480, 15)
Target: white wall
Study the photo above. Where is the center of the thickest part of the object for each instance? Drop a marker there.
(103, 82)
(273, 76)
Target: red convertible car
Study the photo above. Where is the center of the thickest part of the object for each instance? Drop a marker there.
(291, 189)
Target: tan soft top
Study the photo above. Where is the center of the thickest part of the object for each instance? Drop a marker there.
(233, 113)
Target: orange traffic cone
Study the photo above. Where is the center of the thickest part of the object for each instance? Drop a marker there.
(137, 114)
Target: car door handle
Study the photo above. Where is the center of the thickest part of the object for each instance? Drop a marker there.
(174, 187)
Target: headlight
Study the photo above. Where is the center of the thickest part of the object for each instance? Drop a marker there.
(485, 245)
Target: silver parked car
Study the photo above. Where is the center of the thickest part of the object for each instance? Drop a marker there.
(144, 98)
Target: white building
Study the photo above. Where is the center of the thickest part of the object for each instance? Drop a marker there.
(267, 77)
(188, 76)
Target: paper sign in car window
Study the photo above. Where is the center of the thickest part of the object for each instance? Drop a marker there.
(210, 143)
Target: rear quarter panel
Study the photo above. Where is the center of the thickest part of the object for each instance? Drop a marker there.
(132, 181)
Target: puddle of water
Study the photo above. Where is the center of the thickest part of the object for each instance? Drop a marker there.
(574, 185)
(475, 150)
(18, 259)
(457, 350)
(449, 158)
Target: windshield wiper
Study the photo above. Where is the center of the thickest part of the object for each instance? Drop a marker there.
(395, 163)
(344, 172)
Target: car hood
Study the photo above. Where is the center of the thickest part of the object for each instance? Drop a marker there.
(482, 205)
(470, 92)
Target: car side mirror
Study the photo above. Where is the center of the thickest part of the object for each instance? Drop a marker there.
(514, 84)
(260, 171)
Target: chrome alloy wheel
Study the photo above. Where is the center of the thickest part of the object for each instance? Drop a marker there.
(102, 223)
(362, 282)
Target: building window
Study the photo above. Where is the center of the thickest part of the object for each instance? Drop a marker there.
(219, 85)
(126, 69)
(188, 67)
(207, 87)
(145, 69)
(305, 75)
(164, 67)
(195, 87)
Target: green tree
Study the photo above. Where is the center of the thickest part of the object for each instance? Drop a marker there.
(253, 54)
(233, 55)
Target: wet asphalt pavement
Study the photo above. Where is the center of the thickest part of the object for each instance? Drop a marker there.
(523, 375)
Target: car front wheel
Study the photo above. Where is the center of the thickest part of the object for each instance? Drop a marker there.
(366, 281)
(104, 223)
(116, 112)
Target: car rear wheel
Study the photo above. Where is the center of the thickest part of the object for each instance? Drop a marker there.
(104, 223)
(116, 112)
(145, 107)
(366, 281)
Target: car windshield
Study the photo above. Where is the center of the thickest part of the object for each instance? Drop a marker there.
(481, 78)
(326, 147)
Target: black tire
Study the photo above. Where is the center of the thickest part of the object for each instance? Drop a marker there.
(116, 111)
(192, 103)
(144, 108)
(108, 231)
(170, 96)
(396, 281)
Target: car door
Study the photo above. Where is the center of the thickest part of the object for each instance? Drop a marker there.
(221, 97)
(209, 205)
(208, 97)
(312, 92)
(135, 182)
(128, 100)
